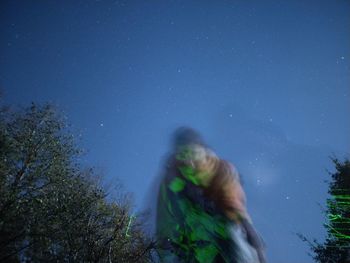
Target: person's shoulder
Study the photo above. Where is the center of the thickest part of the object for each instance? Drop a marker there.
(230, 169)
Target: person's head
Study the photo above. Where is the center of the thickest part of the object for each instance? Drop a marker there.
(194, 156)
(185, 136)
(188, 145)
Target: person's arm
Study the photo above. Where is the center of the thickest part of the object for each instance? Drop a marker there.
(233, 198)
(254, 239)
(235, 209)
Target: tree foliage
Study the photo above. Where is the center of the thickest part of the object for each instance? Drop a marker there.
(52, 209)
(336, 247)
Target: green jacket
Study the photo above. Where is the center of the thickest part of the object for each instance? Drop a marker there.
(189, 227)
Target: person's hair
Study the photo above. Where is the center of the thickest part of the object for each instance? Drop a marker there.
(185, 136)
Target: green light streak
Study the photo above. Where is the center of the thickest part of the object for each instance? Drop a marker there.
(340, 189)
(342, 202)
(332, 217)
(128, 227)
(336, 204)
(341, 196)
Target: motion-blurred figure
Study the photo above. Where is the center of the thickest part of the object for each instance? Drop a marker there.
(201, 213)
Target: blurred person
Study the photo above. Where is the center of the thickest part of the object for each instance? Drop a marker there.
(201, 214)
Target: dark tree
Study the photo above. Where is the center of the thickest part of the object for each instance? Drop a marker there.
(52, 209)
(336, 247)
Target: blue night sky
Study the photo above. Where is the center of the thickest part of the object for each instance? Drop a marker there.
(267, 84)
